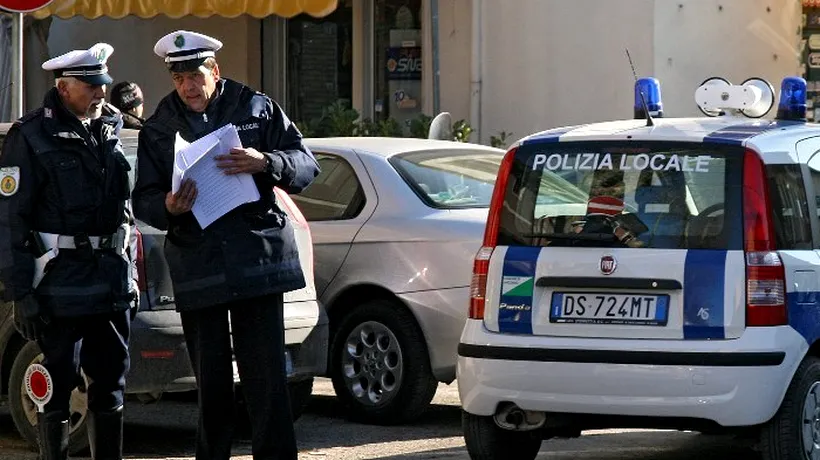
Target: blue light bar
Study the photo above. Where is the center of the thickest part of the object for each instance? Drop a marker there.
(792, 104)
(651, 89)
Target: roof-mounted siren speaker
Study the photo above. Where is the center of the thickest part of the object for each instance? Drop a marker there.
(753, 98)
(703, 95)
(764, 102)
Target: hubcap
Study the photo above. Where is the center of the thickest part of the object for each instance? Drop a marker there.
(77, 406)
(811, 423)
(372, 363)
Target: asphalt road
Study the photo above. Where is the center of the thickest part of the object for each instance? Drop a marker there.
(166, 431)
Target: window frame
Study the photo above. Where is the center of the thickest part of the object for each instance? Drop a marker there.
(732, 213)
(351, 212)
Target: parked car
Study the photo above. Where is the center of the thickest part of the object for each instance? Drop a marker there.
(396, 223)
(159, 359)
(673, 286)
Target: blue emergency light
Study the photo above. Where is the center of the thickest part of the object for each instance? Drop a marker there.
(792, 104)
(651, 90)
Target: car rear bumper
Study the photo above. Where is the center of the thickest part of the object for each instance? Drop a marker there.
(159, 356)
(732, 382)
(306, 340)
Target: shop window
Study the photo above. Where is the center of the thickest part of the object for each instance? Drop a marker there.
(398, 64)
(319, 63)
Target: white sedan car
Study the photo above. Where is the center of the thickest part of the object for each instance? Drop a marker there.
(395, 223)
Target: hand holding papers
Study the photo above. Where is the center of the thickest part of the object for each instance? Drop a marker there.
(217, 193)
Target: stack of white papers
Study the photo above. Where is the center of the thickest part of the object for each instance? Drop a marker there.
(217, 192)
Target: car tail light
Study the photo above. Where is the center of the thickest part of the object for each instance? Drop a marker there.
(765, 276)
(289, 206)
(142, 281)
(481, 264)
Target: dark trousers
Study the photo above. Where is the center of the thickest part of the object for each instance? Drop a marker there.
(257, 328)
(96, 343)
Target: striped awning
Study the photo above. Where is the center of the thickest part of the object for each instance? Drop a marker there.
(92, 9)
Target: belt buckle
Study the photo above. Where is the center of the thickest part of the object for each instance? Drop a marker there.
(106, 242)
(82, 242)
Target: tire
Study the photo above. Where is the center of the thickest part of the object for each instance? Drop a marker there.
(782, 437)
(300, 393)
(487, 441)
(379, 365)
(24, 412)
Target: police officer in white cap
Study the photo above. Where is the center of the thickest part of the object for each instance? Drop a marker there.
(64, 200)
(241, 264)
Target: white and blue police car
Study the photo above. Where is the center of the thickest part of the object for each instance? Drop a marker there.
(653, 272)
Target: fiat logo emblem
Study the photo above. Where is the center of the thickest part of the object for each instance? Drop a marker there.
(608, 265)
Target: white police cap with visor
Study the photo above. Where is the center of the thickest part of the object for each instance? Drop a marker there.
(85, 65)
(184, 50)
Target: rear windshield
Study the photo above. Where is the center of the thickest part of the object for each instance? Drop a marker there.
(450, 179)
(628, 194)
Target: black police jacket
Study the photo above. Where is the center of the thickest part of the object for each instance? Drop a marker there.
(251, 251)
(71, 181)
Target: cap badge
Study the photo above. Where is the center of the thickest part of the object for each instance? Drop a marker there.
(100, 54)
(179, 41)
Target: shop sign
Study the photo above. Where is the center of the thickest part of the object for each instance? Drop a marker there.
(404, 63)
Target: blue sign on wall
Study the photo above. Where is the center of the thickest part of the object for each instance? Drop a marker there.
(404, 63)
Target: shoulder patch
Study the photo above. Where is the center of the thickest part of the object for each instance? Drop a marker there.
(9, 180)
(30, 116)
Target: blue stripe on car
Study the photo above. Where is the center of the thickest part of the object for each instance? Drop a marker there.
(552, 135)
(804, 316)
(704, 273)
(515, 311)
(737, 134)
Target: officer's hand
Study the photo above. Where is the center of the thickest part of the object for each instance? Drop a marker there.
(242, 160)
(27, 317)
(183, 200)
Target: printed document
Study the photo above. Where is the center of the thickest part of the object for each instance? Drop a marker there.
(217, 192)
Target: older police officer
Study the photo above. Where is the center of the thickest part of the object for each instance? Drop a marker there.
(241, 264)
(64, 195)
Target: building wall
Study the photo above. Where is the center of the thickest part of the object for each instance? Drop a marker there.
(549, 63)
(743, 39)
(454, 57)
(133, 41)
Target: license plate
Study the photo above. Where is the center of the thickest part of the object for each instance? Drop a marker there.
(602, 308)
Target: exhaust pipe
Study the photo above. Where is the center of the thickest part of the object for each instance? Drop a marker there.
(513, 418)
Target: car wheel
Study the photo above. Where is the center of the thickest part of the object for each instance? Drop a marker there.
(487, 441)
(794, 432)
(379, 364)
(300, 393)
(24, 412)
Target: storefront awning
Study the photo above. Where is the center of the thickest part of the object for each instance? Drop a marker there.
(93, 9)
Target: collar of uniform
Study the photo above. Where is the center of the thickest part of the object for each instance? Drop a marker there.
(57, 120)
(169, 116)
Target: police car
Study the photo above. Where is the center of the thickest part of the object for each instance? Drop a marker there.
(655, 272)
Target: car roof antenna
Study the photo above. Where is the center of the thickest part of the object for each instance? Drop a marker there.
(649, 121)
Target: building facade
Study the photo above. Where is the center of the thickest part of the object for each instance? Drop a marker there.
(517, 66)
